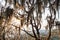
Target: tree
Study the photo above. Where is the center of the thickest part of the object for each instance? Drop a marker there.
(29, 6)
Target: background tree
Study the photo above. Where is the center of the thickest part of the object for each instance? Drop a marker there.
(26, 14)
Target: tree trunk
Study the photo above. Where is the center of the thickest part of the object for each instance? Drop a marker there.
(49, 33)
(37, 39)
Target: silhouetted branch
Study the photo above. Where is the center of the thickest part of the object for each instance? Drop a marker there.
(28, 33)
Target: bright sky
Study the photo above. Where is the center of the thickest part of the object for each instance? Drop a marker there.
(2, 2)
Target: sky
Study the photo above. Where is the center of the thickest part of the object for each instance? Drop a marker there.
(2, 2)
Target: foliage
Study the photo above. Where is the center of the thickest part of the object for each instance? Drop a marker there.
(26, 14)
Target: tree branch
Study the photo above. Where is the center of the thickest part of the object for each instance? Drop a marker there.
(28, 33)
